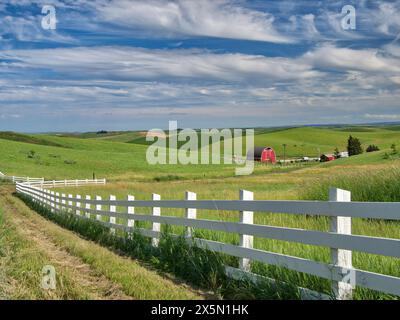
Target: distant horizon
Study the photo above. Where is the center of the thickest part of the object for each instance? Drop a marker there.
(389, 123)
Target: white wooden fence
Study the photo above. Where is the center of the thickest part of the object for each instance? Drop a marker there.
(68, 183)
(340, 240)
(20, 179)
(40, 182)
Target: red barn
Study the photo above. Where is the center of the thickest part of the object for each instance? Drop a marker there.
(262, 154)
(327, 157)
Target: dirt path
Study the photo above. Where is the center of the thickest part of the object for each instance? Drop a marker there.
(81, 272)
(98, 286)
(87, 278)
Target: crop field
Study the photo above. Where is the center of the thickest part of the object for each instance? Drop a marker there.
(120, 157)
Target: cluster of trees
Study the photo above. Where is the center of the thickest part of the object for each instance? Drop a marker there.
(354, 147)
(372, 148)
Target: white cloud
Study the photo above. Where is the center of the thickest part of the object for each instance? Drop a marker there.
(130, 83)
(303, 26)
(127, 63)
(382, 116)
(387, 18)
(369, 60)
(212, 18)
(393, 49)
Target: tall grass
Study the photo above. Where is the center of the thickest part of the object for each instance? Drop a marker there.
(374, 186)
(368, 262)
(177, 255)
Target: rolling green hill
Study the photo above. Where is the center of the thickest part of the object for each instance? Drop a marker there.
(311, 141)
(13, 136)
(59, 156)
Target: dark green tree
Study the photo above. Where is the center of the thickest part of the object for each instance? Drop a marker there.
(354, 146)
(372, 148)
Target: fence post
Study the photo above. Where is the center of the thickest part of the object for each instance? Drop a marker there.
(245, 241)
(190, 212)
(52, 205)
(78, 204)
(98, 208)
(57, 201)
(63, 201)
(70, 202)
(131, 210)
(87, 206)
(48, 198)
(44, 199)
(112, 209)
(156, 211)
(339, 257)
(33, 195)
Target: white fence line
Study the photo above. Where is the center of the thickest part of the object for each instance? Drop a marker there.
(15, 179)
(40, 182)
(339, 239)
(68, 183)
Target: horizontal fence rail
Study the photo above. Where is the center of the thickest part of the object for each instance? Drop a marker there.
(15, 179)
(339, 239)
(41, 183)
(370, 210)
(71, 183)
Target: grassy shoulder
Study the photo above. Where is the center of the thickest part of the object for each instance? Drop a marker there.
(21, 262)
(84, 270)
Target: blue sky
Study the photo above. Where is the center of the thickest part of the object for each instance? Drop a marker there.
(125, 64)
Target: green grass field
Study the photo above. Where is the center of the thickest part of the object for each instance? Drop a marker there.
(117, 157)
(80, 156)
